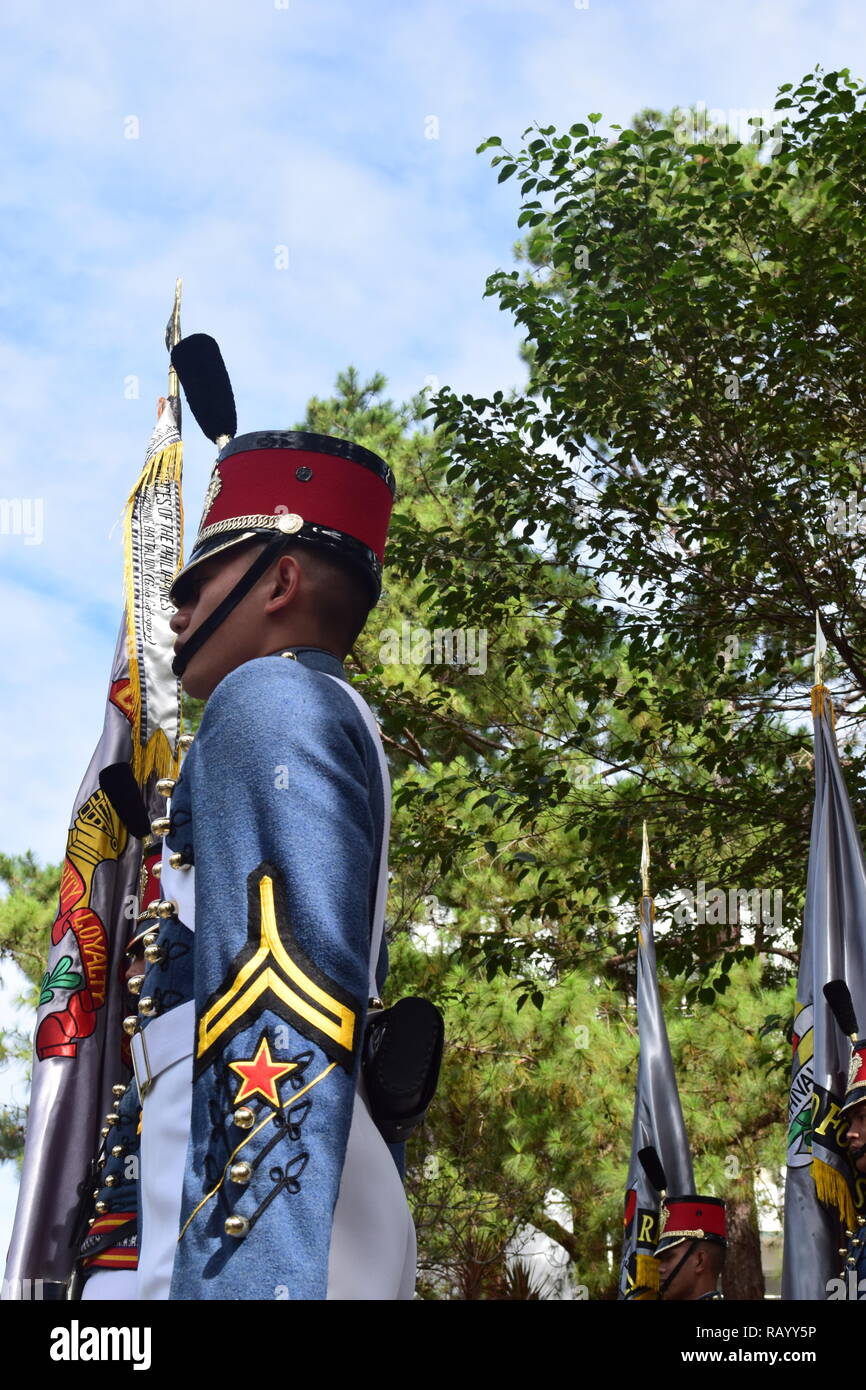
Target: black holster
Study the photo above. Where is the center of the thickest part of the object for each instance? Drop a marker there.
(402, 1054)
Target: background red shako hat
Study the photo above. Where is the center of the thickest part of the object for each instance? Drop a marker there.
(856, 1091)
(314, 489)
(691, 1217)
(838, 996)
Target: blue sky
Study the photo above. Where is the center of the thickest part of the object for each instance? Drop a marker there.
(260, 125)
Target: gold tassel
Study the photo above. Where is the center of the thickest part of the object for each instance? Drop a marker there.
(820, 699)
(832, 1189)
(640, 939)
(646, 1277)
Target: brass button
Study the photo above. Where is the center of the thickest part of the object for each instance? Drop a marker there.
(147, 1006)
(101, 1208)
(177, 861)
(185, 742)
(130, 1025)
(167, 908)
(236, 1226)
(241, 1172)
(118, 1091)
(103, 1133)
(153, 955)
(165, 786)
(111, 1180)
(243, 1117)
(161, 826)
(157, 869)
(112, 1117)
(134, 984)
(150, 938)
(117, 1151)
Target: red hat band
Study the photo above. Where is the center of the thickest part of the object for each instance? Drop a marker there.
(692, 1218)
(313, 488)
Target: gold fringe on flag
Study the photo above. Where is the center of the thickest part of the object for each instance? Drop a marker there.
(157, 757)
(833, 1190)
(646, 1277)
(820, 699)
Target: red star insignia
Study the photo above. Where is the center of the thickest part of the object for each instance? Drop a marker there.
(261, 1073)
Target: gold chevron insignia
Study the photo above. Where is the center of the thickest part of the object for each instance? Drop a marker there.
(273, 972)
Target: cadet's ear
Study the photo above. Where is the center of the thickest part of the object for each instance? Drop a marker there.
(283, 583)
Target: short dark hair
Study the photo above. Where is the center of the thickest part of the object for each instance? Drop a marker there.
(345, 596)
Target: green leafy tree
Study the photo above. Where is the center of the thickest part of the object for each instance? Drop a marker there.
(27, 910)
(659, 499)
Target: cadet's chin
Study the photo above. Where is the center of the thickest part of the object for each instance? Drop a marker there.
(196, 684)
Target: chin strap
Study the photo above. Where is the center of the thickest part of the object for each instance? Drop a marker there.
(676, 1269)
(857, 1154)
(231, 601)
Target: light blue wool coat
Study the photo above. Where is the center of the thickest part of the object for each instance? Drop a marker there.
(280, 801)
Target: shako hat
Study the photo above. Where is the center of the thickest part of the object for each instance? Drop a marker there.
(856, 1091)
(838, 996)
(310, 488)
(691, 1218)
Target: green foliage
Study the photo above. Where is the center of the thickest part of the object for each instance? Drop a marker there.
(656, 504)
(540, 1102)
(478, 761)
(27, 910)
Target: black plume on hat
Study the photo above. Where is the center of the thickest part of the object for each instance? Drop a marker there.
(122, 790)
(838, 996)
(652, 1166)
(202, 372)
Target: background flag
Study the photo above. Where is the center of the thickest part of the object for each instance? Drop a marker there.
(658, 1118)
(80, 1050)
(819, 1188)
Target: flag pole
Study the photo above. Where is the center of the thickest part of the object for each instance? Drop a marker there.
(657, 1122)
(172, 337)
(820, 649)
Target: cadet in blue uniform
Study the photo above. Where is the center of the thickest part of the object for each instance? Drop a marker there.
(853, 1114)
(691, 1248)
(261, 1172)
